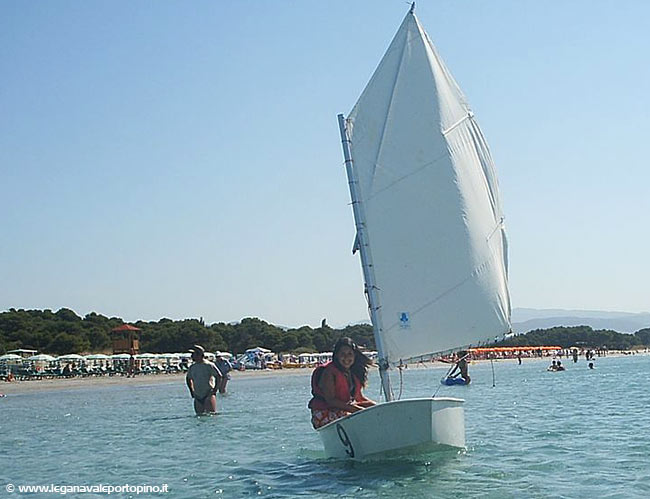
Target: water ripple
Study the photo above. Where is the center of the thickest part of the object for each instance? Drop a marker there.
(574, 434)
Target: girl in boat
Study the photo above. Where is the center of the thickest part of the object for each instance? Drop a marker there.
(336, 386)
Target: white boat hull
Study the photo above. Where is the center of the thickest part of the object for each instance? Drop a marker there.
(396, 426)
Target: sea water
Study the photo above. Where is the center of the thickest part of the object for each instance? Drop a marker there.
(577, 433)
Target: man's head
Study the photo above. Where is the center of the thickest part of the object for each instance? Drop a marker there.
(197, 352)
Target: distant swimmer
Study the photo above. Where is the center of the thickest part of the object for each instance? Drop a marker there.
(552, 367)
(203, 379)
(591, 365)
(560, 367)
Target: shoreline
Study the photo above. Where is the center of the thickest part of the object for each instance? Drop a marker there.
(47, 385)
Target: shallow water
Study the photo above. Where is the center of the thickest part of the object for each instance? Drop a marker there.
(578, 433)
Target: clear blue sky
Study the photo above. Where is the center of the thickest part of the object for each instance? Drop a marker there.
(182, 159)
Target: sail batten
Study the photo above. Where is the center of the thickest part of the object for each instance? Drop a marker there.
(431, 208)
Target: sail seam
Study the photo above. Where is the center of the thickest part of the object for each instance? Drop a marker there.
(390, 104)
(410, 174)
(477, 270)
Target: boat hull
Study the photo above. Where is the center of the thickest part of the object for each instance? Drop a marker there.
(394, 427)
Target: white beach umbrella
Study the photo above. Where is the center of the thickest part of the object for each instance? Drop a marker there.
(71, 356)
(170, 356)
(10, 356)
(43, 357)
(97, 356)
(121, 356)
(146, 356)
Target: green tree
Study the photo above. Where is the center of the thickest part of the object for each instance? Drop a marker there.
(67, 343)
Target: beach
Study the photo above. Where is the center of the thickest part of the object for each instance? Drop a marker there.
(88, 382)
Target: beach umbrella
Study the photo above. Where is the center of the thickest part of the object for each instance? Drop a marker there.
(43, 357)
(170, 356)
(10, 356)
(146, 356)
(71, 356)
(97, 356)
(121, 356)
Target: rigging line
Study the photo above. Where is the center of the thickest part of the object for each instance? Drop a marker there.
(381, 392)
(401, 381)
(441, 379)
(493, 378)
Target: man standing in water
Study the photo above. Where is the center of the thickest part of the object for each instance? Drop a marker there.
(203, 379)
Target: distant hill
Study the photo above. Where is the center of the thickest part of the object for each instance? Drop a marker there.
(527, 319)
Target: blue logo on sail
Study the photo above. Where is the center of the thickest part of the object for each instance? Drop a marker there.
(404, 321)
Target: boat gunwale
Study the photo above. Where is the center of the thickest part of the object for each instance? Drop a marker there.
(420, 399)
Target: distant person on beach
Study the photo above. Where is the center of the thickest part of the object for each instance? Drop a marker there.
(461, 366)
(130, 373)
(336, 386)
(203, 379)
(224, 366)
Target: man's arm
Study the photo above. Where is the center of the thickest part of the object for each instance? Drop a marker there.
(217, 379)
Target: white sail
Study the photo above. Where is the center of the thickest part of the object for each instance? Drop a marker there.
(434, 234)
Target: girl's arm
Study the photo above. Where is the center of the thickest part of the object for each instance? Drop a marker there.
(366, 402)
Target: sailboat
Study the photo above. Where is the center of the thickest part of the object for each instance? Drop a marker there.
(430, 233)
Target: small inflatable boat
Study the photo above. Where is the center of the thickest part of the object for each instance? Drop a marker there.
(453, 381)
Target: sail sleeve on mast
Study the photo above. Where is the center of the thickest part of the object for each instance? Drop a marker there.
(432, 212)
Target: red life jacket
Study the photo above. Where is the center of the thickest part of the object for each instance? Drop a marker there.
(342, 388)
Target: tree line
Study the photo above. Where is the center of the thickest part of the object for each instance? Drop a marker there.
(65, 332)
(582, 337)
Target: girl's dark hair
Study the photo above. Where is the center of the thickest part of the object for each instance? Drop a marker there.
(361, 362)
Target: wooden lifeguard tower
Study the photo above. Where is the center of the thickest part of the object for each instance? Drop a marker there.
(125, 339)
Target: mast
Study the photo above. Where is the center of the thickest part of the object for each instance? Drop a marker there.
(366, 259)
